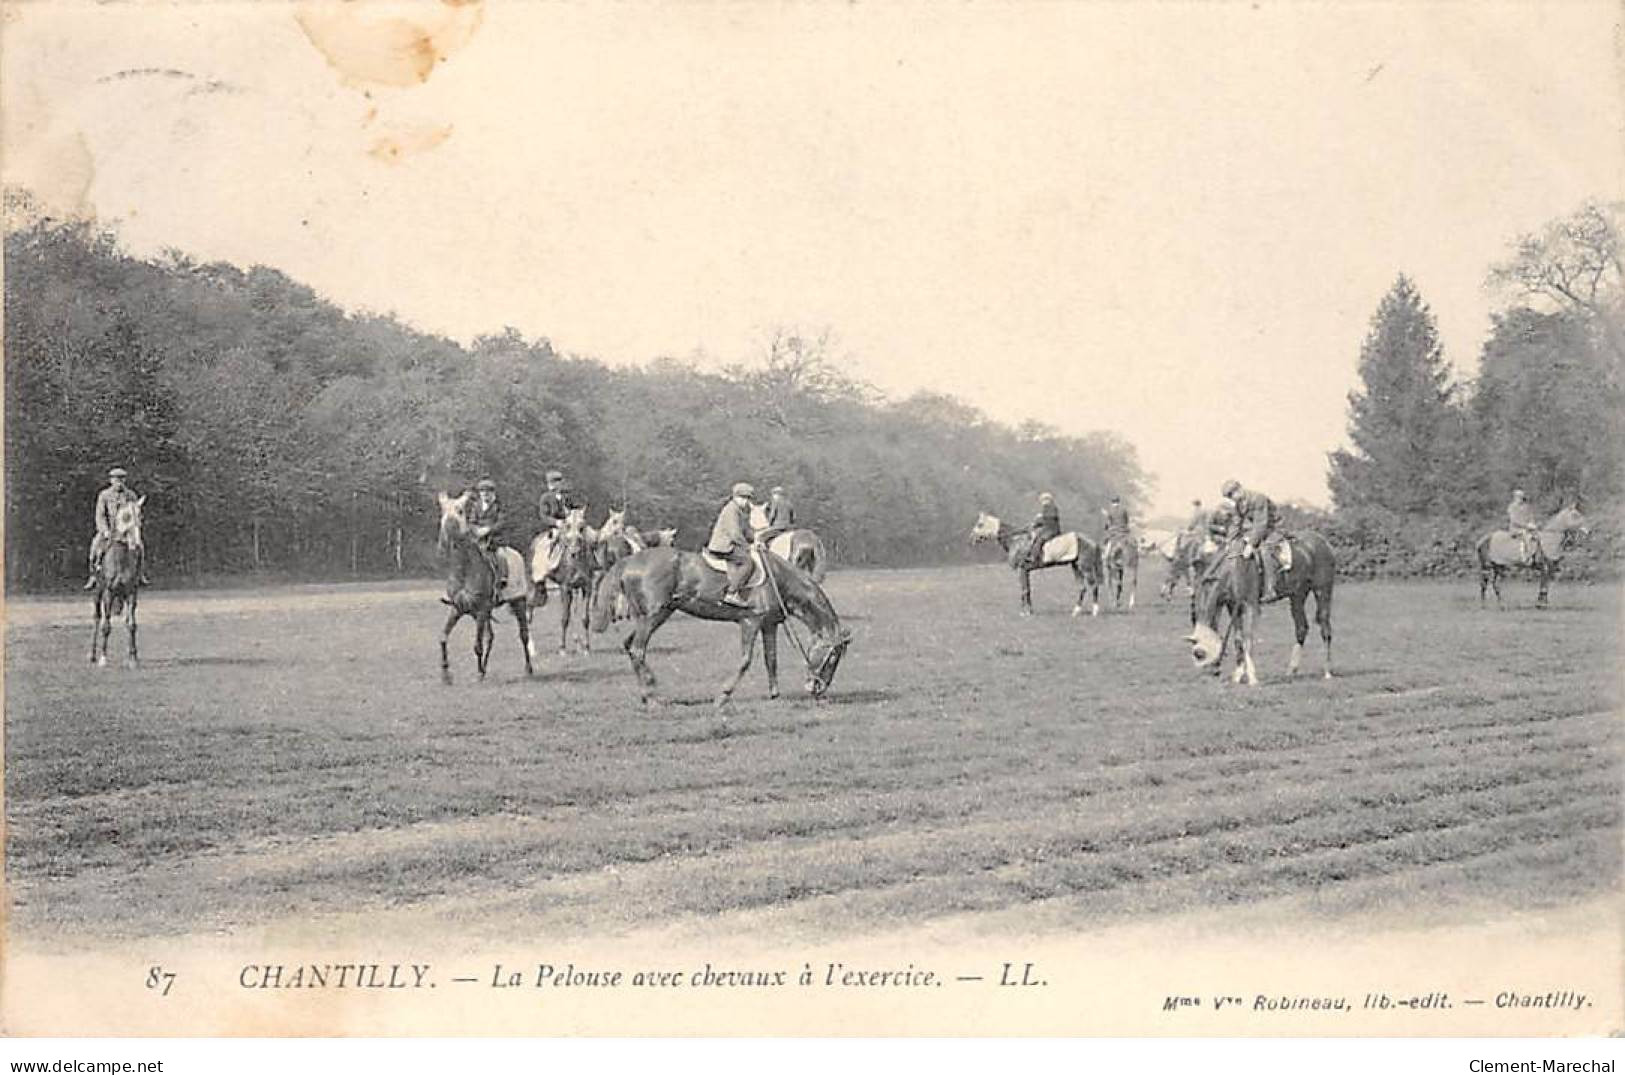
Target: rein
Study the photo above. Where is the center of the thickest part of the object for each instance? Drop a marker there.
(778, 594)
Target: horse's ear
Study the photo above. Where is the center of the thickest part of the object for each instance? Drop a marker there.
(442, 499)
(140, 500)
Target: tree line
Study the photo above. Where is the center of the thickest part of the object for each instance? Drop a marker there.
(273, 431)
(1433, 456)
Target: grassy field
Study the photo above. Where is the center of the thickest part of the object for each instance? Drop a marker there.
(291, 753)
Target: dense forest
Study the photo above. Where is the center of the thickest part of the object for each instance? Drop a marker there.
(275, 432)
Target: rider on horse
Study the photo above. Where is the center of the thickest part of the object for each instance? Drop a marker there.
(557, 502)
(485, 519)
(1046, 525)
(1257, 524)
(1523, 524)
(108, 503)
(781, 515)
(1114, 525)
(731, 539)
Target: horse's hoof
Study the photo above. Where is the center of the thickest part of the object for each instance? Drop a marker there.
(1077, 610)
(1026, 612)
(772, 694)
(1095, 611)
(101, 662)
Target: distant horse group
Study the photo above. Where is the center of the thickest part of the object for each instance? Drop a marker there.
(619, 572)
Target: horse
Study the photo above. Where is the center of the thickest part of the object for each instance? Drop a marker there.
(471, 588)
(1499, 552)
(617, 540)
(1077, 551)
(1186, 563)
(1120, 558)
(800, 546)
(1313, 572)
(657, 582)
(118, 583)
(575, 549)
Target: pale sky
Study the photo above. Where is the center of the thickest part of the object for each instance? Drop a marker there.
(1173, 222)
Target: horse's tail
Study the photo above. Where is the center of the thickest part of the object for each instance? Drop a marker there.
(603, 601)
(1482, 551)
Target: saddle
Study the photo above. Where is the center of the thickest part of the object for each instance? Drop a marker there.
(780, 545)
(758, 571)
(1508, 548)
(546, 555)
(510, 574)
(1061, 549)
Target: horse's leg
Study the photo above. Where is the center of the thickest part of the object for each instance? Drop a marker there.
(1545, 584)
(637, 648)
(481, 646)
(445, 633)
(1026, 591)
(770, 657)
(1133, 583)
(586, 616)
(134, 658)
(1323, 617)
(107, 628)
(95, 624)
(1083, 582)
(748, 629)
(566, 603)
(1249, 635)
(1300, 630)
(521, 616)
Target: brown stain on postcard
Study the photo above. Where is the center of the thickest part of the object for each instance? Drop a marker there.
(391, 148)
(389, 45)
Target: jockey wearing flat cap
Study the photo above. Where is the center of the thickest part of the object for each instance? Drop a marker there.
(557, 502)
(1257, 524)
(1046, 525)
(781, 515)
(1522, 523)
(108, 503)
(731, 539)
(485, 519)
(1114, 521)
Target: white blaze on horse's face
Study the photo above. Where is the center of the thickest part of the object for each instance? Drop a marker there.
(127, 523)
(1205, 644)
(613, 526)
(986, 528)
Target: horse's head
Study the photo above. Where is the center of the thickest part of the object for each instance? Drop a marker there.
(1205, 645)
(613, 527)
(127, 522)
(986, 528)
(824, 658)
(666, 536)
(1570, 520)
(453, 520)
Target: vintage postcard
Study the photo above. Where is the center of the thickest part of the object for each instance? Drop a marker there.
(812, 519)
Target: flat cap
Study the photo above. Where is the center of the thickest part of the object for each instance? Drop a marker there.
(744, 489)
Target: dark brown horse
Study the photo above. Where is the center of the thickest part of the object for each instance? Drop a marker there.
(1084, 560)
(1499, 552)
(471, 588)
(1235, 584)
(118, 584)
(573, 568)
(657, 582)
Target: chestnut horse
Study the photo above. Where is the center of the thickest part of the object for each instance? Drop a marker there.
(654, 583)
(1081, 554)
